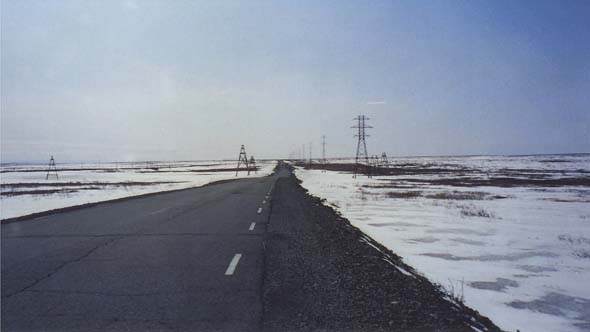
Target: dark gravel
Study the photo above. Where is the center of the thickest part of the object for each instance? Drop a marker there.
(322, 275)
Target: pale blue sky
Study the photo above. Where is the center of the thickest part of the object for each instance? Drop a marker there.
(121, 80)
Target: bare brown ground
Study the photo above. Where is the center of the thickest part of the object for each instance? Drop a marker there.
(8, 189)
(502, 182)
(210, 170)
(79, 184)
(123, 167)
(466, 177)
(43, 192)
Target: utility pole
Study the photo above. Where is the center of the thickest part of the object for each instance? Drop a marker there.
(303, 153)
(361, 147)
(309, 154)
(242, 159)
(323, 153)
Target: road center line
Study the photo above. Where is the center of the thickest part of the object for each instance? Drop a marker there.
(232, 265)
(259, 210)
(252, 225)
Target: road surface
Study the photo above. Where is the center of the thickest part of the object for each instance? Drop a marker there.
(186, 260)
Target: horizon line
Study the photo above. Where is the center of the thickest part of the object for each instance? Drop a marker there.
(313, 158)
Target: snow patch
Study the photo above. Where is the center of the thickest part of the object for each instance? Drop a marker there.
(515, 245)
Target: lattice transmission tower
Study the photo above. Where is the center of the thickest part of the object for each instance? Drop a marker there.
(384, 160)
(361, 147)
(242, 159)
(252, 165)
(51, 169)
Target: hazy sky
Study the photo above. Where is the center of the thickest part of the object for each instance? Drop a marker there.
(136, 80)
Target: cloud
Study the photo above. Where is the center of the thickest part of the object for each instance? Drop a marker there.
(376, 103)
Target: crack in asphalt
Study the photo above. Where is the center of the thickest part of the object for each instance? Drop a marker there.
(61, 266)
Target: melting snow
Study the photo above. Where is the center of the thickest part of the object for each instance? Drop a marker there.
(520, 252)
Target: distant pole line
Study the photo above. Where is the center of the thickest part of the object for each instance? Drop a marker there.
(303, 153)
(361, 147)
(242, 158)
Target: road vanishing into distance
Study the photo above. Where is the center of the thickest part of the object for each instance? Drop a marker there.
(255, 254)
(192, 257)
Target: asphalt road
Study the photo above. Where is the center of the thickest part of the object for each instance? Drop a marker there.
(186, 260)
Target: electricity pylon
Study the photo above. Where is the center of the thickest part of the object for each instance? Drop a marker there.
(242, 159)
(361, 147)
(252, 165)
(51, 170)
(384, 160)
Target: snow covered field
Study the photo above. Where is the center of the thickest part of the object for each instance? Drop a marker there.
(25, 189)
(510, 235)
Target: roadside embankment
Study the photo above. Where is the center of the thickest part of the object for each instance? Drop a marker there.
(322, 274)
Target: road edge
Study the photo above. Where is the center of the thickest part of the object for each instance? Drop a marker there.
(472, 317)
(115, 200)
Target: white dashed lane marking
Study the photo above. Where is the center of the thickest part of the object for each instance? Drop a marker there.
(252, 225)
(259, 210)
(233, 264)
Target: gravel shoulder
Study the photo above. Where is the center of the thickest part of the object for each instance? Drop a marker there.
(322, 274)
